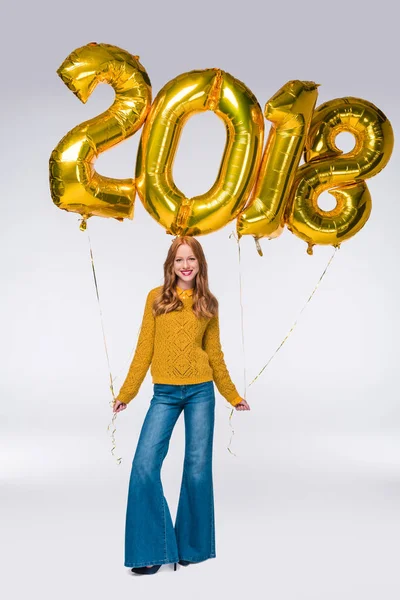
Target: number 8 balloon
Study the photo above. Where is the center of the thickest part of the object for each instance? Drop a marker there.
(343, 174)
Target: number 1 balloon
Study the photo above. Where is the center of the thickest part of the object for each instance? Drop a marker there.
(290, 111)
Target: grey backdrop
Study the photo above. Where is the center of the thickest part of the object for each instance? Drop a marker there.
(308, 507)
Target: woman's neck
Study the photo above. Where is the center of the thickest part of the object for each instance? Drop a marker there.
(183, 285)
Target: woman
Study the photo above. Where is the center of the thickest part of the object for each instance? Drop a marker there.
(179, 337)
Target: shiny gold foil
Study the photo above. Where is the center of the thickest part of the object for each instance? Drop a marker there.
(342, 174)
(75, 185)
(290, 111)
(179, 99)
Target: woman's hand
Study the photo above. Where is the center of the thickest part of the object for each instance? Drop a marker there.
(242, 405)
(119, 406)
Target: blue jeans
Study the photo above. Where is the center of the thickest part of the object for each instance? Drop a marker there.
(150, 537)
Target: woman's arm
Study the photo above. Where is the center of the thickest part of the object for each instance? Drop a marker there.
(212, 345)
(143, 354)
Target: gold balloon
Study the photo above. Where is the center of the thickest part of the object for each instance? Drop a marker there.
(342, 174)
(290, 111)
(74, 183)
(179, 99)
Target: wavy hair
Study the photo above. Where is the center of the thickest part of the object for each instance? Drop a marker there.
(205, 303)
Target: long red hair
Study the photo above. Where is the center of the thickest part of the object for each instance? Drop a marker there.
(205, 303)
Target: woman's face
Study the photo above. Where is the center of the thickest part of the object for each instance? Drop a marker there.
(186, 266)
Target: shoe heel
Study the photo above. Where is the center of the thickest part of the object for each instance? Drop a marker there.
(174, 566)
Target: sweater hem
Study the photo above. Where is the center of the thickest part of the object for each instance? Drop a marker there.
(193, 380)
(183, 381)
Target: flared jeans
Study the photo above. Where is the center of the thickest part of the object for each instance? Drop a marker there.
(150, 536)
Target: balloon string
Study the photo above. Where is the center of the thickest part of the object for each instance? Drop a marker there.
(295, 322)
(242, 331)
(111, 427)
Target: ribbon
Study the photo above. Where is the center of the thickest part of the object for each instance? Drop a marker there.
(295, 322)
(242, 324)
(111, 426)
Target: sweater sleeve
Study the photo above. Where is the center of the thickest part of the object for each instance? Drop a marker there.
(143, 355)
(212, 345)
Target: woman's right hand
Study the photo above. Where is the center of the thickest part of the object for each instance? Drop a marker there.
(119, 406)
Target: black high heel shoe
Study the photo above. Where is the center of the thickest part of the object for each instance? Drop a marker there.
(146, 570)
(184, 563)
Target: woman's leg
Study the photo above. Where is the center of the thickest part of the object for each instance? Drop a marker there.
(194, 526)
(149, 533)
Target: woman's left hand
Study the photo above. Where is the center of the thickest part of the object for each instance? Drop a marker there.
(242, 405)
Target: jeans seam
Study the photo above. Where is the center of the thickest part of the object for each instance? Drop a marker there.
(198, 559)
(212, 521)
(157, 561)
(212, 488)
(168, 561)
(163, 513)
(182, 488)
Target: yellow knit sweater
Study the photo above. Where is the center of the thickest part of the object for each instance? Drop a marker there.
(181, 349)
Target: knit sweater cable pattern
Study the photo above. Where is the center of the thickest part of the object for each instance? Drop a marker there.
(181, 349)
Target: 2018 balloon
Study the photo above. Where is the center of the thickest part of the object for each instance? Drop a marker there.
(264, 191)
(74, 184)
(179, 99)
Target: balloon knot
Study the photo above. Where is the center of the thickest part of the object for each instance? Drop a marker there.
(258, 246)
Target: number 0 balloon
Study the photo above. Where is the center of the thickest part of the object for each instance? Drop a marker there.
(180, 99)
